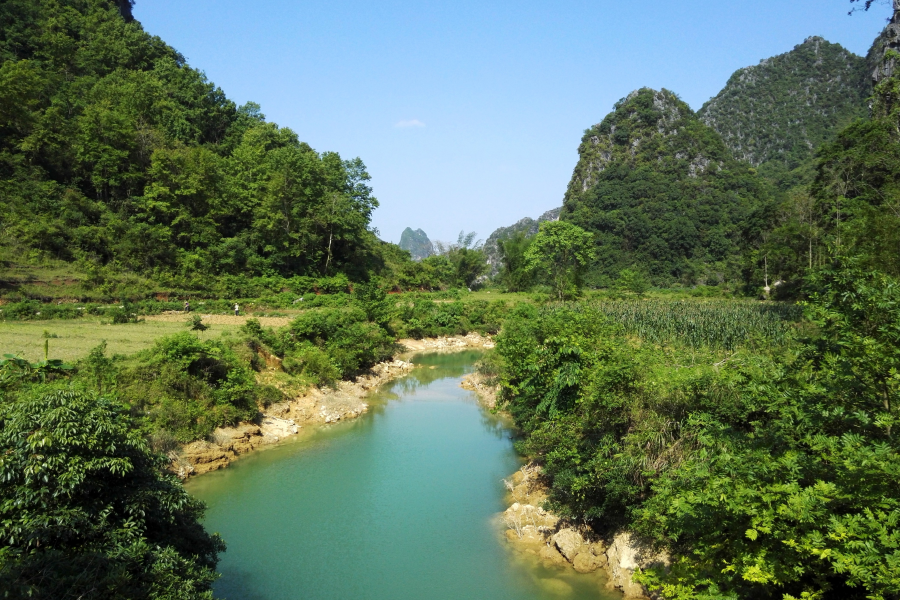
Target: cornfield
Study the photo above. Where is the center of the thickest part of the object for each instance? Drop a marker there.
(718, 325)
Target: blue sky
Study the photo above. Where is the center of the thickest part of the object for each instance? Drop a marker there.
(469, 114)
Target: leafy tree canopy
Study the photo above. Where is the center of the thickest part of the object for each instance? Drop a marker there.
(560, 253)
(86, 511)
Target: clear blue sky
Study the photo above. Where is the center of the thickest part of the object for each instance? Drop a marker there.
(469, 114)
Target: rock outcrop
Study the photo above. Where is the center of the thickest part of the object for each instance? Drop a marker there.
(416, 242)
(880, 65)
(528, 226)
(625, 555)
(486, 392)
(558, 543)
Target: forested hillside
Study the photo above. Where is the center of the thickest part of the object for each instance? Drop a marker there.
(660, 189)
(785, 107)
(115, 153)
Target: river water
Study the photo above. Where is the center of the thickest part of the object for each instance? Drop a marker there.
(400, 504)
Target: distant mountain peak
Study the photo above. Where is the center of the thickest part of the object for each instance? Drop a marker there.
(527, 225)
(416, 242)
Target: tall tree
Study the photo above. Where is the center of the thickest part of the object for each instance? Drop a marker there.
(561, 252)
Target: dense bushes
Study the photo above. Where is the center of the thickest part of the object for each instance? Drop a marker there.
(189, 387)
(86, 511)
(764, 474)
(421, 317)
(345, 334)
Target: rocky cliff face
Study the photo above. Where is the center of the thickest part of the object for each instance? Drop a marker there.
(528, 225)
(786, 106)
(416, 242)
(879, 65)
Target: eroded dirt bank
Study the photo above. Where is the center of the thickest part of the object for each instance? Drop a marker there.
(317, 406)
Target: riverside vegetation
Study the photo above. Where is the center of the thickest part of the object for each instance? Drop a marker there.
(754, 442)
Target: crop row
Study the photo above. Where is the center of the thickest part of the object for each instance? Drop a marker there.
(711, 324)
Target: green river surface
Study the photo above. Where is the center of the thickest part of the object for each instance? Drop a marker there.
(401, 503)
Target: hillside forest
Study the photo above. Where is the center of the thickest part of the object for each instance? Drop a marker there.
(701, 347)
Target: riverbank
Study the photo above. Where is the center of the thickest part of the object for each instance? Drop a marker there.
(556, 542)
(455, 343)
(561, 544)
(316, 406)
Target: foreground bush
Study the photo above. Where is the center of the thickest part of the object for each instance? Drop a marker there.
(86, 511)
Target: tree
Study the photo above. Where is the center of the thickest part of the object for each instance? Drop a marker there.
(467, 257)
(512, 253)
(86, 510)
(867, 4)
(562, 251)
(632, 281)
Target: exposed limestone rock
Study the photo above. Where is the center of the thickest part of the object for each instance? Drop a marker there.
(277, 428)
(882, 66)
(534, 530)
(626, 554)
(551, 555)
(586, 562)
(569, 542)
(487, 393)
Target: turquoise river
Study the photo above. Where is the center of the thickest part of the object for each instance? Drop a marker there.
(400, 504)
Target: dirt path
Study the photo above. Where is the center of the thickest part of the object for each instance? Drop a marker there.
(181, 317)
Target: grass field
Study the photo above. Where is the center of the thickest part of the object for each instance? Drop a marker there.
(490, 295)
(78, 336)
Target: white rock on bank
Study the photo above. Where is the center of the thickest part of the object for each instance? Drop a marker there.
(569, 542)
(625, 555)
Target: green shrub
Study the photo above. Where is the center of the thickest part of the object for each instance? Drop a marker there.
(312, 362)
(350, 340)
(195, 323)
(124, 313)
(190, 387)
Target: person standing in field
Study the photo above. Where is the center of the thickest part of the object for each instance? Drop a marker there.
(187, 306)
(236, 309)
